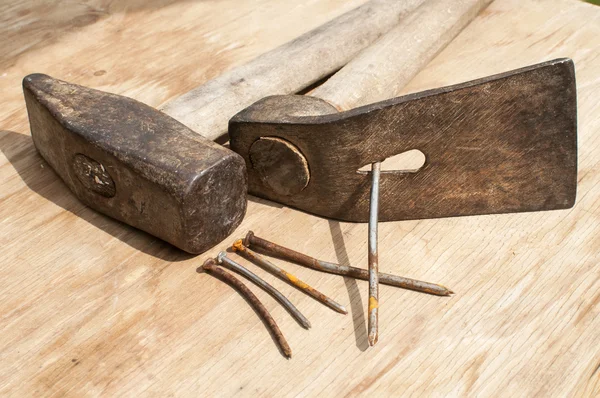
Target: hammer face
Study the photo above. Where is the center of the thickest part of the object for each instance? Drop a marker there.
(136, 164)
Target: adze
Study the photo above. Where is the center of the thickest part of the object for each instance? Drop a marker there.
(140, 166)
(377, 72)
(503, 143)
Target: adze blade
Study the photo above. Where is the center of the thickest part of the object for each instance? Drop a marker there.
(504, 143)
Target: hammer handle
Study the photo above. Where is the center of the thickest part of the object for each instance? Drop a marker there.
(380, 71)
(286, 69)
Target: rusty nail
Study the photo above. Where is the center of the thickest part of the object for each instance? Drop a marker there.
(293, 256)
(373, 318)
(239, 247)
(228, 263)
(210, 267)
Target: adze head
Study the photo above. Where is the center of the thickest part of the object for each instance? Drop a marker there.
(136, 164)
(504, 143)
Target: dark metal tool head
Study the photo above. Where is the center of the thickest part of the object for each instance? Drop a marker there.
(504, 143)
(136, 164)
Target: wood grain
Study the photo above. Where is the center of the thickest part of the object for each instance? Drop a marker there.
(89, 306)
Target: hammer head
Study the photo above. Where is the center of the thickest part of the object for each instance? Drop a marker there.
(136, 164)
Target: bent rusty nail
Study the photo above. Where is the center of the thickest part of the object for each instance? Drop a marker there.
(275, 250)
(228, 263)
(373, 326)
(210, 267)
(285, 276)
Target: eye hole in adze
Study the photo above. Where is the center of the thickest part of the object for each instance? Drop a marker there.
(410, 161)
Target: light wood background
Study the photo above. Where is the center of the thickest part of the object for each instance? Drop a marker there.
(89, 306)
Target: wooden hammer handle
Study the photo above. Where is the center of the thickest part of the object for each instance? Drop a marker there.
(286, 69)
(380, 71)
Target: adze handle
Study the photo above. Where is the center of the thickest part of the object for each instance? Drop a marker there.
(381, 70)
(288, 68)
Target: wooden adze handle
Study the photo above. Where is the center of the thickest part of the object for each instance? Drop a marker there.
(286, 69)
(380, 71)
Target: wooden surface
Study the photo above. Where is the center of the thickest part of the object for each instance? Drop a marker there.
(89, 306)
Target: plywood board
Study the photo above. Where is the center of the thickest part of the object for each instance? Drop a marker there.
(89, 306)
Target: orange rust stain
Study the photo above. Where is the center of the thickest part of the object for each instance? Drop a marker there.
(373, 303)
(238, 246)
(296, 281)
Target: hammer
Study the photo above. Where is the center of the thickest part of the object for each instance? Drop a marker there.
(142, 167)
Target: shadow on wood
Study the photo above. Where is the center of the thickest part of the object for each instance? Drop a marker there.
(26, 161)
(356, 304)
(57, 20)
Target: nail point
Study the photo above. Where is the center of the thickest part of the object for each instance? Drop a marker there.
(373, 339)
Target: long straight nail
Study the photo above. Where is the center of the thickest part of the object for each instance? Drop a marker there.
(210, 267)
(239, 247)
(373, 325)
(293, 256)
(228, 263)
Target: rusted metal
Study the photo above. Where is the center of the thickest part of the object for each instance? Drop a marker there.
(281, 165)
(504, 143)
(210, 266)
(373, 318)
(284, 253)
(238, 247)
(131, 162)
(228, 263)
